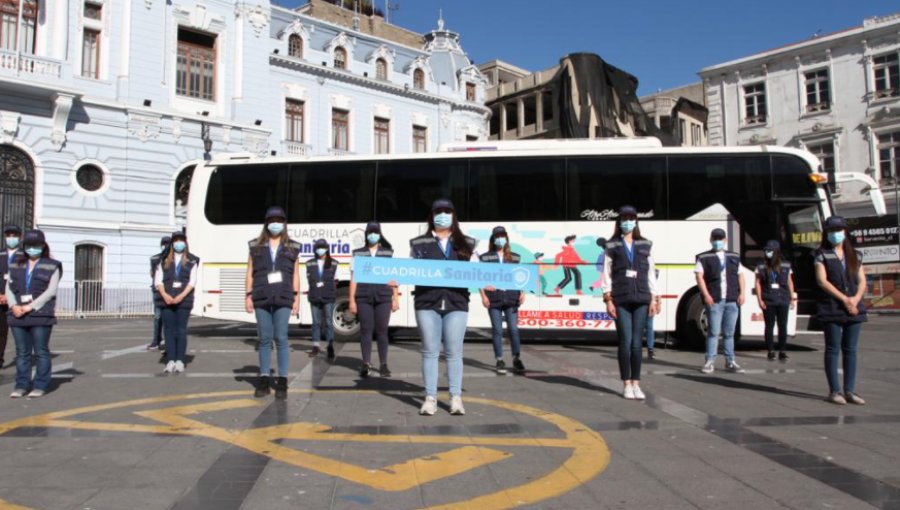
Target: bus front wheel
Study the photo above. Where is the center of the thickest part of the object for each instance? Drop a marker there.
(346, 325)
(695, 324)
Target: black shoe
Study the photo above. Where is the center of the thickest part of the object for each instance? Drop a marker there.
(151, 347)
(782, 356)
(330, 352)
(384, 370)
(518, 365)
(651, 354)
(771, 356)
(364, 370)
(280, 385)
(315, 351)
(501, 367)
(262, 387)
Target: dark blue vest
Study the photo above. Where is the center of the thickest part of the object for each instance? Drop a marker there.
(265, 294)
(373, 293)
(4, 268)
(829, 309)
(327, 291)
(712, 274)
(169, 278)
(447, 299)
(154, 263)
(627, 290)
(40, 281)
(502, 298)
(767, 277)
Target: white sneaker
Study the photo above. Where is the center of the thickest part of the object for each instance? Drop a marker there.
(170, 367)
(17, 393)
(429, 407)
(628, 393)
(179, 367)
(708, 367)
(36, 394)
(638, 394)
(456, 406)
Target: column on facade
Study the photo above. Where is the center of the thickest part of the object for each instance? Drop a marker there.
(502, 121)
(539, 111)
(520, 114)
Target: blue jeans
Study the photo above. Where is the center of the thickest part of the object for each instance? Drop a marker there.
(447, 330)
(32, 340)
(512, 323)
(841, 338)
(175, 320)
(651, 335)
(723, 318)
(157, 326)
(630, 323)
(321, 315)
(272, 322)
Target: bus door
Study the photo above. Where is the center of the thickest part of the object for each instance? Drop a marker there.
(802, 223)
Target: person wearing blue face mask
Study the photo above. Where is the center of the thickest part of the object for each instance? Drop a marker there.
(11, 236)
(321, 294)
(722, 286)
(175, 279)
(775, 295)
(272, 287)
(373, 304)
(503, 302)
(157, 311)
(840, 308)
(31, 295)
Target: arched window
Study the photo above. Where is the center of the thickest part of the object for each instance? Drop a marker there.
(295, 46)
(419, 79)
(182, 194)
(340, 58)
(16, 188)
(381, 68)
(88, 278)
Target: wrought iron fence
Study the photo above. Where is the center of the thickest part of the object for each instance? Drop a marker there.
(93, 299)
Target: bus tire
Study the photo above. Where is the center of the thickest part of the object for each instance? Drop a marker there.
(695, 323)
(346, 325)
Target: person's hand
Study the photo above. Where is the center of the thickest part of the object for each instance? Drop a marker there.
(16, 311)
(167, 299)
(485, 301)
(248, 304)
(352, 306)
(855, 300)
(393, 284)
(762, 306)
(295, 308)
(177, 299)
(521, 298)
(708, 300)
(490, 288)
(654, 308)
(793, 303)
(848, 303)
(2, 299)
(740, 300)
(611, 310)
(853, 311)
(395, 304)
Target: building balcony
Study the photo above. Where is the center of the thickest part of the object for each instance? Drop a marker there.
(12, 64)
(340, 152)
(292, 148)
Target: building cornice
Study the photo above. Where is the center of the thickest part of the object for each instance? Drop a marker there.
(175, 114)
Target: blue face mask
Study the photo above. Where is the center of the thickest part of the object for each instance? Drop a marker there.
(34, 251)
(12, 242)
(718, 245)
(443, 220)
(179, 246)
(627, 225)
(769, 254)
(373, 237)
(275, 228)
(500, 242)
(321, 251)
(836, 238)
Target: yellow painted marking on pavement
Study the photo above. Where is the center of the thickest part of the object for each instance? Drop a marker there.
(6, 505)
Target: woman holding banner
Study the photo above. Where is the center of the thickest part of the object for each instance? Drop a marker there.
(442, 312)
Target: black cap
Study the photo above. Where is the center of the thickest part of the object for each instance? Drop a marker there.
(627, 210)
(499, 231)
(165, 240)
(538, 254)
(275, 212)
(177, 234)
(320, 243)
(442, 203)
(601, 242)
(772, 245)
(373, 226)
(33, 237)
(717, 233)
(12, 229)
(835, 222)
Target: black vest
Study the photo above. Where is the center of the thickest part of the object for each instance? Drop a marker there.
(154, 263)
(169, 278)
(4, 268)
(829, 309)
(448, 299)
(767, 277)
(712, 274)
(502, 298)
(265, 294)
(627, 290)
(327, 291)
(40, 281)
(373, 293)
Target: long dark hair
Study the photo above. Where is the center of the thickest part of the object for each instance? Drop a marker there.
(635, 234)
(383, 241)
(507, 254)
(849, 252)
(775, 262)
(463, 250)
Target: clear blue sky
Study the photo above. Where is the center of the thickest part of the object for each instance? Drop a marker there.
(664, 42)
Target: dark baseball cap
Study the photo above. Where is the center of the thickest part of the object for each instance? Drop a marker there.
(835, 222)
(165, 240)
(499, 231)
(627, 210)
(12, 229)
(717, 233)
(601, 242)
(320, 243)
(177, 235)
(373, 226)
(442, 203)
(33, 237)
(275, 212)
(773, 245)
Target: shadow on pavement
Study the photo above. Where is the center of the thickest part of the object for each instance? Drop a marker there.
(738, 384)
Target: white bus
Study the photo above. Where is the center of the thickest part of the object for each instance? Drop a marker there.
(543, 192)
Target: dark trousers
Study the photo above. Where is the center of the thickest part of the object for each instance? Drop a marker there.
(568, 272)
(4, 333)
(776, 314)
(175, 322)
(630, 325)
(157, 326)
(374, 319)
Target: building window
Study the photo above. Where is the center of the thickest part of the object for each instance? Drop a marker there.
(196, 65)
(93, 11)
(90, 54)
(887, 75)
(818, 97)
(470, 91)
(293, 120)
(9, 20)
(89, 177)
(696, 134)
(340, 129)
(889, 154)
(88, 278)
(382, 136)
(420, 139)
(381, 69)
(755, 104)
(295, 46)
(665, 123)
(340, 58)
(419, 79)
(825, 153)
(682, 131)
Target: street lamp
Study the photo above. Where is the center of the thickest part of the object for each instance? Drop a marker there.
(204, 135)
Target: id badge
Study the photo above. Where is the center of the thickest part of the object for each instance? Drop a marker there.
(320, 284)
(176, 285)
(274, 277)
(776, 286)
(26, 298)
(630, 273)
